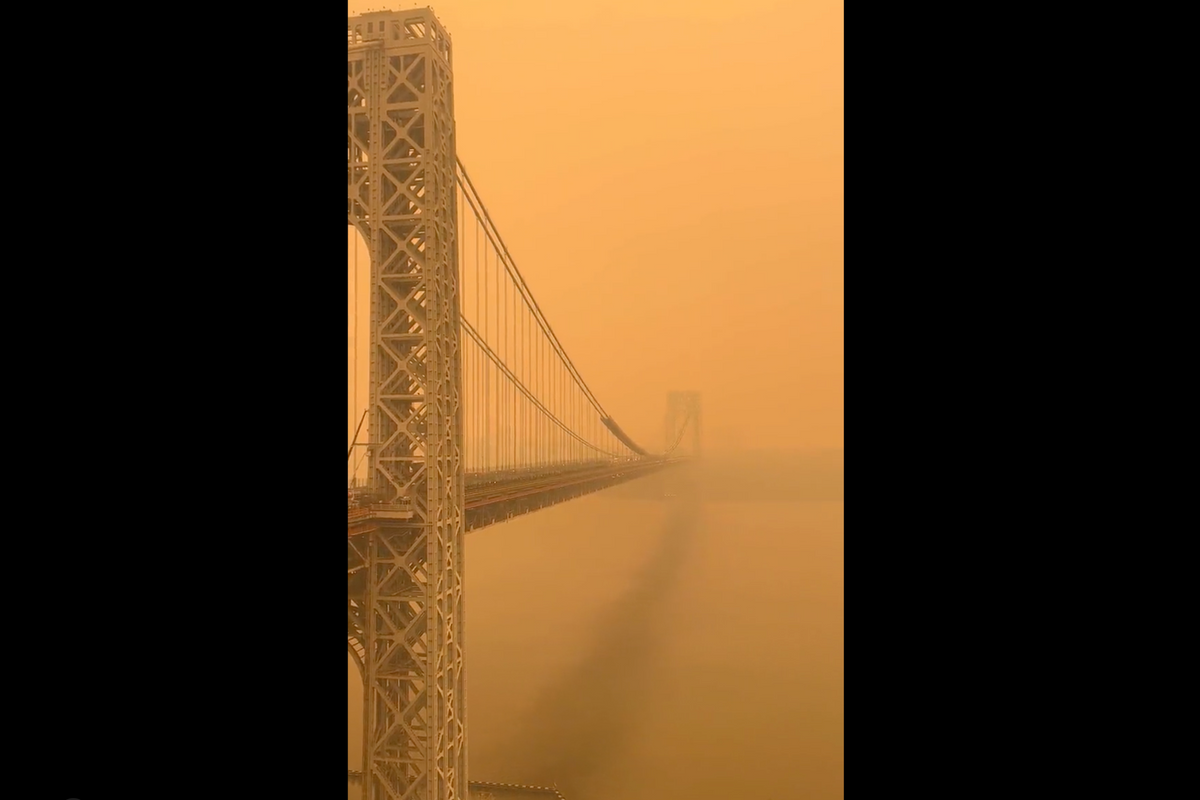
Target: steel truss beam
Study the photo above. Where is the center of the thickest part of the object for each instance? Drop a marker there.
(489, 791)
(488, 511)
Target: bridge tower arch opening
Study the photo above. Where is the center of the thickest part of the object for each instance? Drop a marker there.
(358, 295)
(405, 585)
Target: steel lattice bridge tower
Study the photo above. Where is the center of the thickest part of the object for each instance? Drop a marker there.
(471, 419)
(683, 414)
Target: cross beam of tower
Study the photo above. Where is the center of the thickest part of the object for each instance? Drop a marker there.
(409, 600)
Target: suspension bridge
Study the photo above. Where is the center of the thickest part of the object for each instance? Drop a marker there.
(475, 411)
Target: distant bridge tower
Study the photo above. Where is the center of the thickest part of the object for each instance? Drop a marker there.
(406, 606)
(683, 410)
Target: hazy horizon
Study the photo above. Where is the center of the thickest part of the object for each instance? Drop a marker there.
(668, 176)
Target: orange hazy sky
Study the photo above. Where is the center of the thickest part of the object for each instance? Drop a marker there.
(669, 177)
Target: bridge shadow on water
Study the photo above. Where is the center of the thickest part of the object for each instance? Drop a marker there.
(580, 725)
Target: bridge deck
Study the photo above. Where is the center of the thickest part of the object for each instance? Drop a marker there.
(481, 790)
(496, 496)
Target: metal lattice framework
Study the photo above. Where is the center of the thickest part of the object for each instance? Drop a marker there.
(406, 606)
(683, 414)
